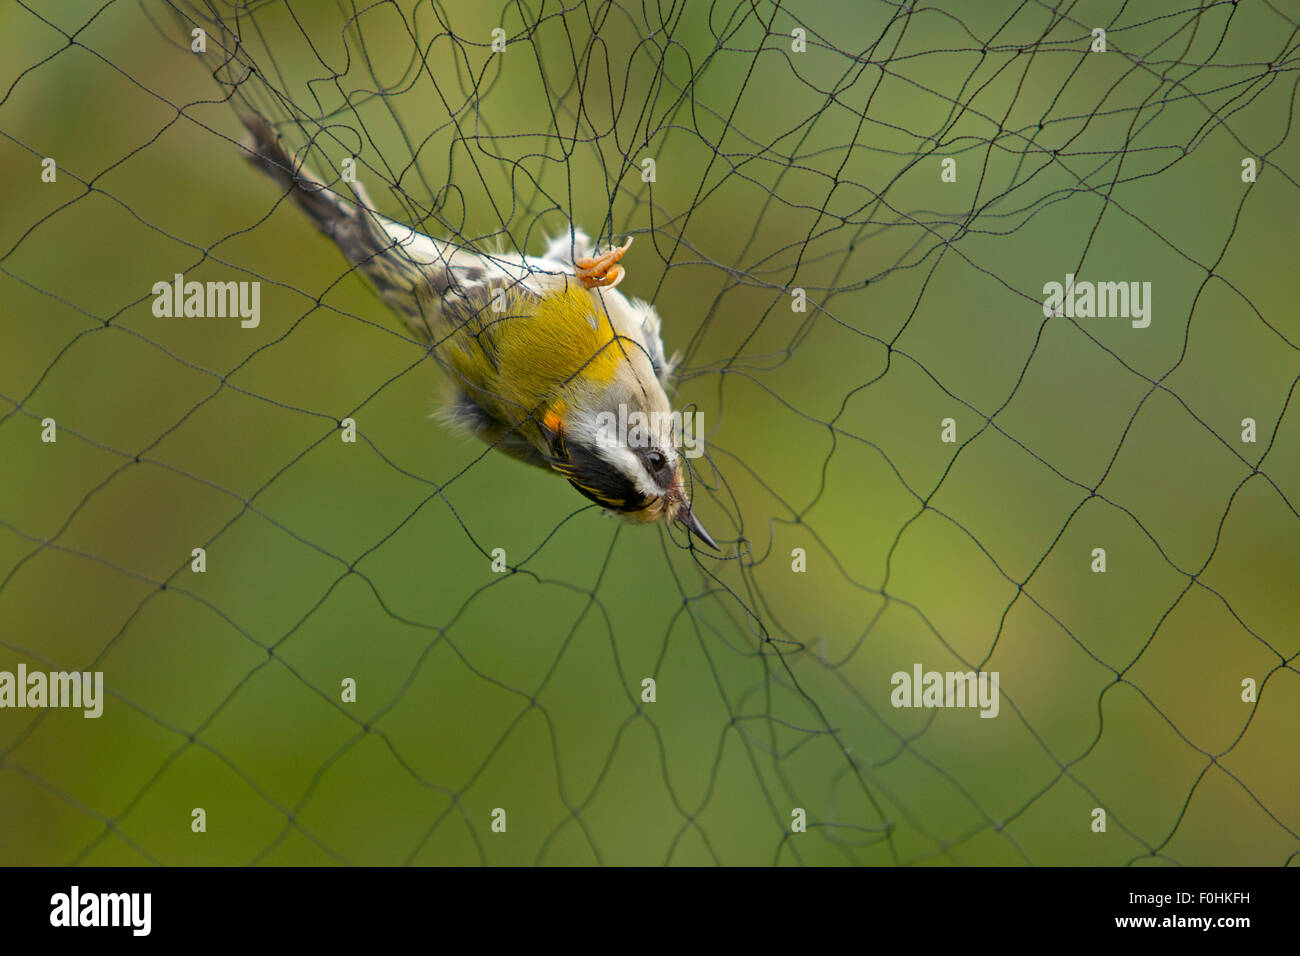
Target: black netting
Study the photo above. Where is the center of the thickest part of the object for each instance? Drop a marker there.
(847, 215)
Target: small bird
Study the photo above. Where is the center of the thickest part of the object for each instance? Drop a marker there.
(543, 354)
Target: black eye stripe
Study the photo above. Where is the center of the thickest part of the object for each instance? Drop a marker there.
(636, 503)
(596, 478)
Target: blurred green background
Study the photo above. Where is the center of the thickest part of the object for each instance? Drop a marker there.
(775, 170)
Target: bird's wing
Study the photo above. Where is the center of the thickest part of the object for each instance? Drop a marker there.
(433, 281)
(435, 284)
(429, 282)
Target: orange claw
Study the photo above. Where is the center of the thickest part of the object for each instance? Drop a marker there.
(603, 271)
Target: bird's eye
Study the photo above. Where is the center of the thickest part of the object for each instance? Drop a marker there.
(655, 460)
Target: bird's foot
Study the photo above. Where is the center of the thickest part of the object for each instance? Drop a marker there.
(602, 271)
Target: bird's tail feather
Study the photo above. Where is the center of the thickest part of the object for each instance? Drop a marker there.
(404, 274)
(416, 275)
(268, 153)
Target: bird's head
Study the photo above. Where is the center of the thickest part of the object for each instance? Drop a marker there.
(622, 451)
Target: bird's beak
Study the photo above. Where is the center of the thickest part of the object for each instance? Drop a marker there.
(687, 517)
